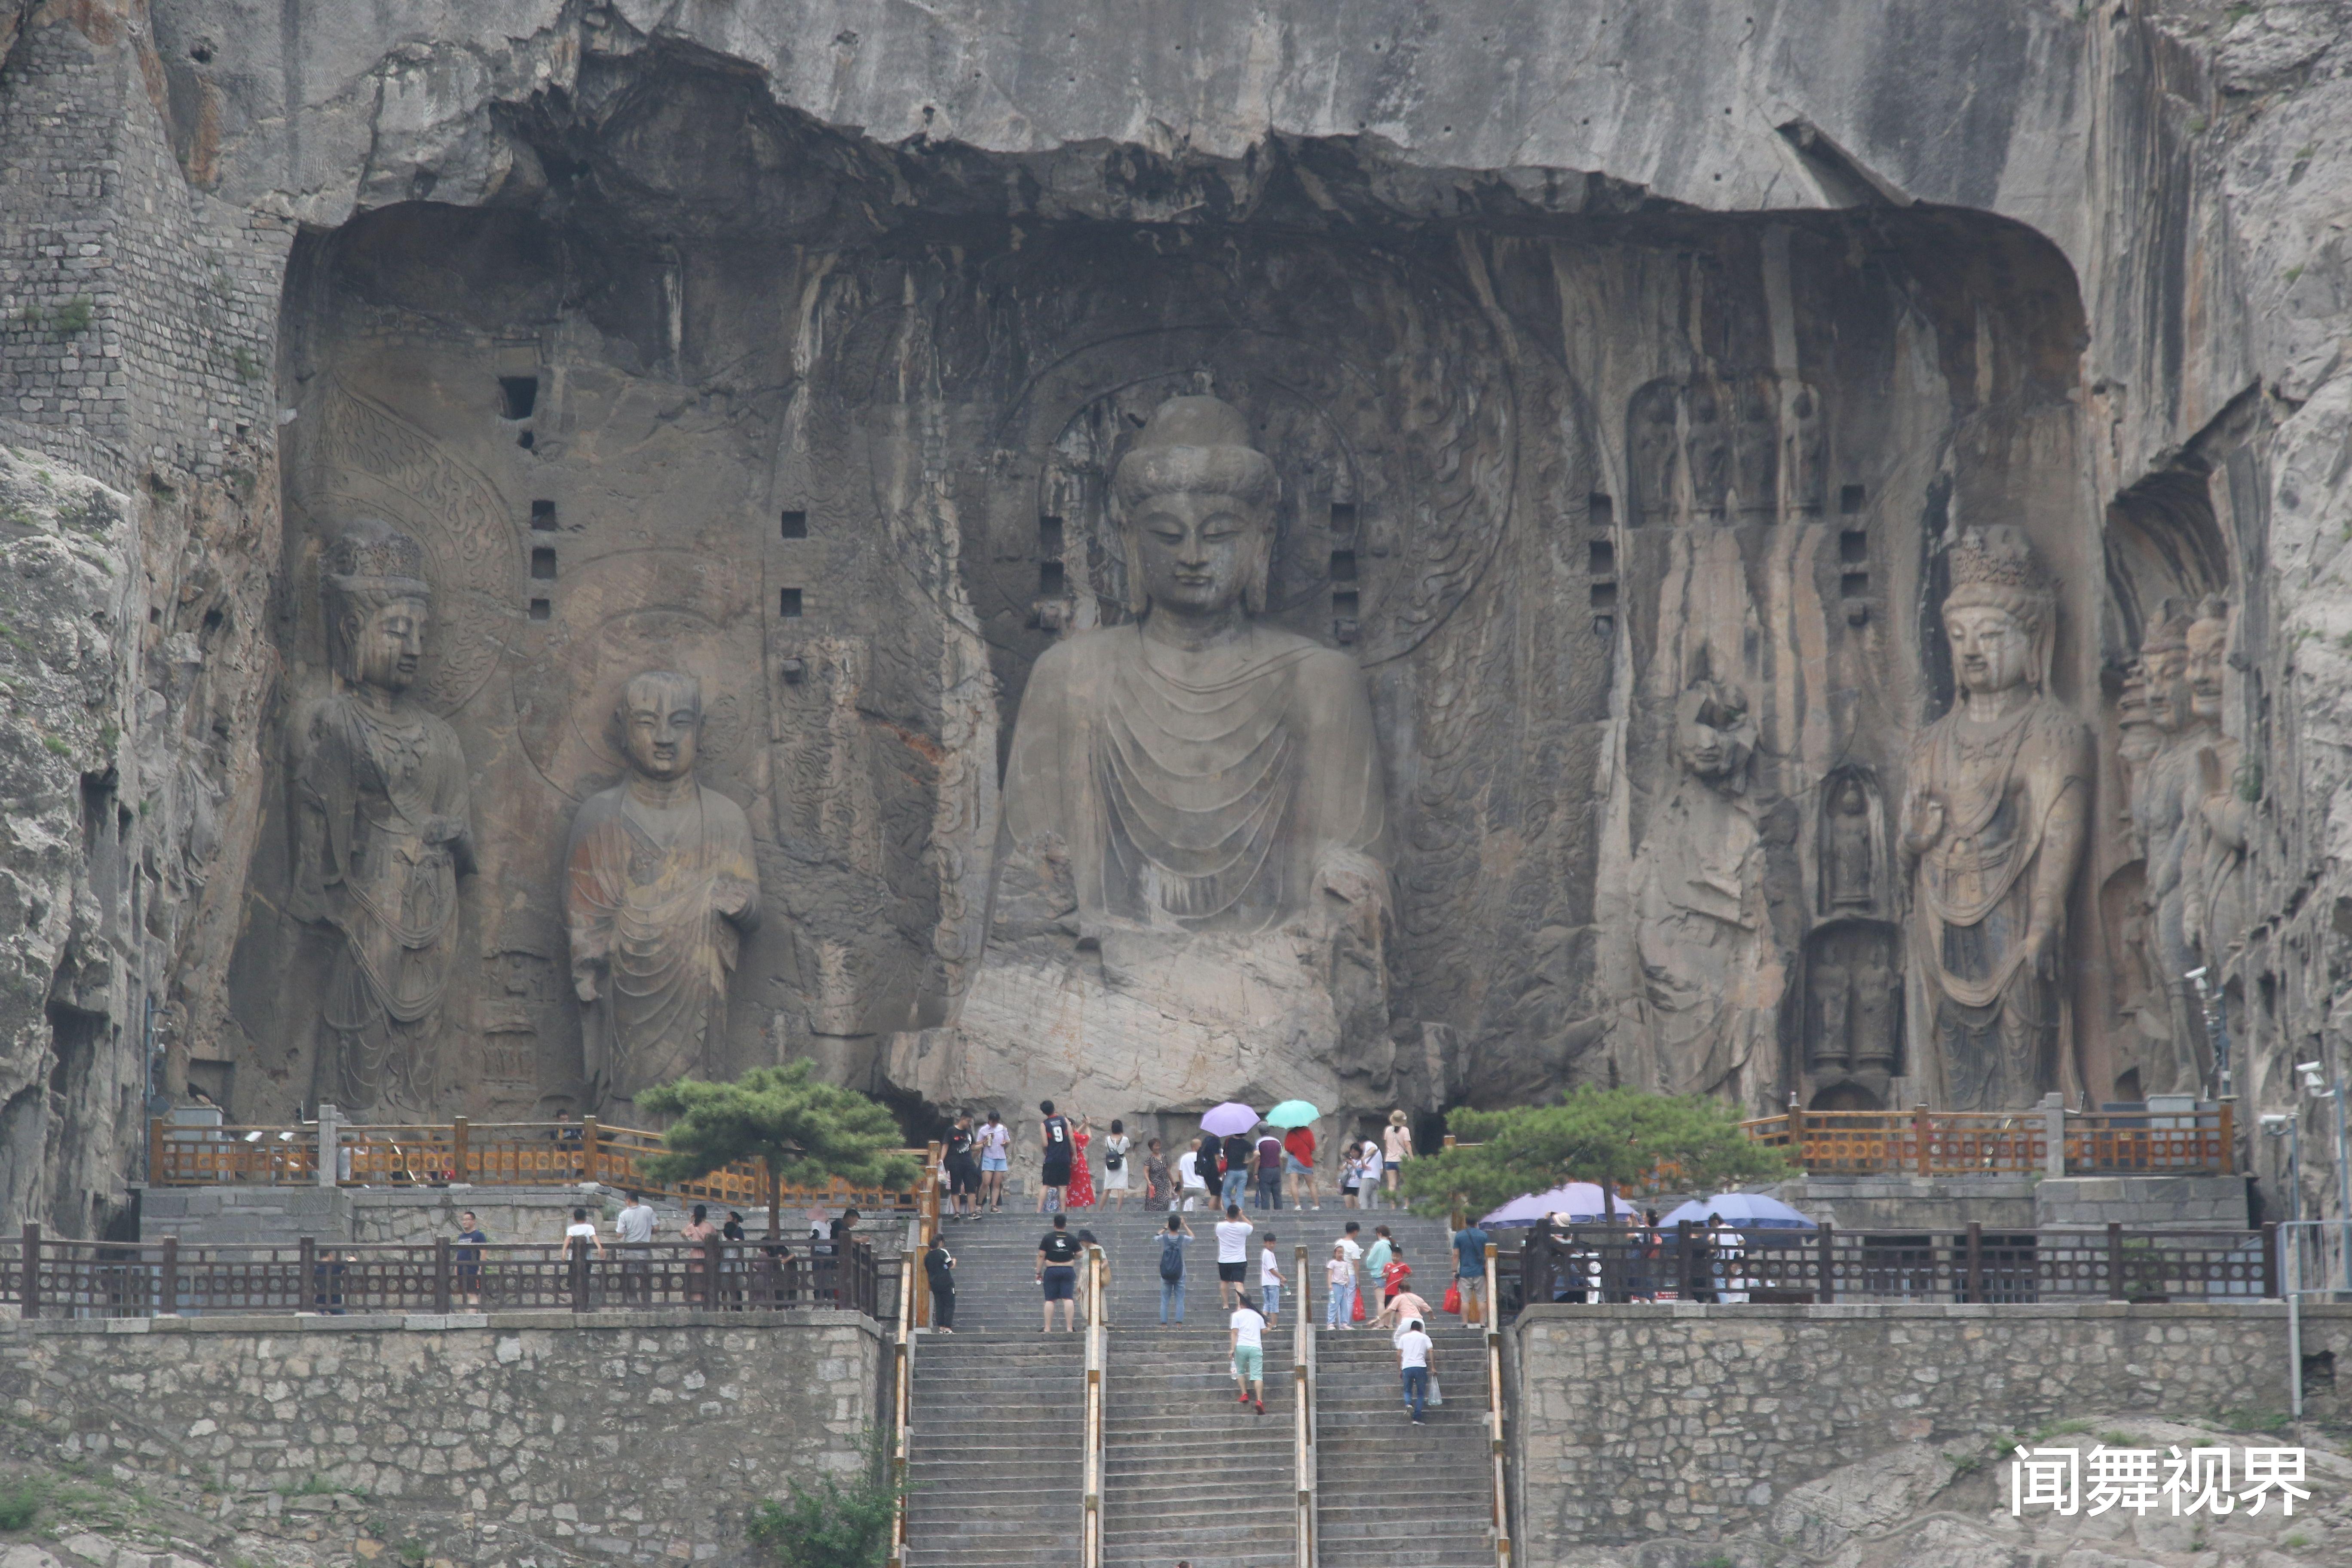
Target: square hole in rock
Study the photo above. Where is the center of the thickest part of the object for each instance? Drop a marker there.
(1049, 538)
(1343, 519)
(543, 516)
(1849, 500)
(1600, 558)
(1051, 579)
(540, 610)
(1604, 595)
(1854, 546)
(1343, 566)
(543, 564)
(787, 601)
(1853, 584)
(1599, 510)
(794, 525)
(518, 395)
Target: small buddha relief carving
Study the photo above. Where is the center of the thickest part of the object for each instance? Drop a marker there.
(382, 831)
(663, 887)
(1993, 832)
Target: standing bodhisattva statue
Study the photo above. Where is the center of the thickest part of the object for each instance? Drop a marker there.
(1998, 795)
(663, 887)
(381, 832)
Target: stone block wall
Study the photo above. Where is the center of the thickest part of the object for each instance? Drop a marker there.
(1690, 1423)
(485, 1439)
(1935, 1203)
(2140, 1203)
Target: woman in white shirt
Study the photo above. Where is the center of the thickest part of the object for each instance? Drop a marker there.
(1115, 1161)
(1397, 1146)
(1369, 1162)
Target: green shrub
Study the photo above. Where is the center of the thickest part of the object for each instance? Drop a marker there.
(20, 1504)
(831, 1525)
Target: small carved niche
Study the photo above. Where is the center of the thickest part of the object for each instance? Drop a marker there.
(1743, 446)
(1850, 846)
(1854, 1002)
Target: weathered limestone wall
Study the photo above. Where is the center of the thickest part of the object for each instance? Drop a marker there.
(486, 1440)
(1691, 1423)
(2182, 159)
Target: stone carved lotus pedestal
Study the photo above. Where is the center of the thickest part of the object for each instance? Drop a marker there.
(1190, 899)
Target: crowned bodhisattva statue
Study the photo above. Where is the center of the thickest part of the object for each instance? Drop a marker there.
(1993, 827)
(662, 886)
(382, 833)
(1189, 893)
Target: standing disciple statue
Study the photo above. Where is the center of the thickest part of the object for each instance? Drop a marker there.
(381, 832)
(663, 887)
(1993, 829)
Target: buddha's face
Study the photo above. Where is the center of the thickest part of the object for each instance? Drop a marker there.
(2168, 687)
(2208, 644)
(386, 644)
(1197, 548)
(662, 727)
(1990, 648)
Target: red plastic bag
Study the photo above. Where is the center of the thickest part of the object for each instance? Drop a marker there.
(1452, 1302)
(1359, 1307)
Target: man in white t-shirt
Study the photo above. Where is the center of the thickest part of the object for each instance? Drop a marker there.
(1269, 1280)
(1188, 1172)
(1249, 1352)
(1232, 1258)
(1413, 1347)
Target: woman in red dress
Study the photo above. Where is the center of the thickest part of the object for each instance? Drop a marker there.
(1081, 1192)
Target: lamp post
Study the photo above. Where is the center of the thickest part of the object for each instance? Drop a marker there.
(2289, 1128)
(2331, 1088)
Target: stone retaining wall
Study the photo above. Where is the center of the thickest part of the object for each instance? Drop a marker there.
(1636, 1423)
(483, 1439)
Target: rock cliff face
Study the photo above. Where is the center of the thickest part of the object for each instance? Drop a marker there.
(1631, 376)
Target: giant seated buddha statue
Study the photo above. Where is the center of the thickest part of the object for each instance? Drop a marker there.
(1189, 895)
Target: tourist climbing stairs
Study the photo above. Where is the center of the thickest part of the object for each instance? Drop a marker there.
(996, 1454)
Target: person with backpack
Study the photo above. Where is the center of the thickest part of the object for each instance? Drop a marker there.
(1173, 1243)
(1116, 1149)
(938, 1273)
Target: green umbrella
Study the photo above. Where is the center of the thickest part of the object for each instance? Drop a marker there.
(1292, 1113)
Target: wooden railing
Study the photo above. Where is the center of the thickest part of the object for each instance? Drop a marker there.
(486, 1154)
(1501, 1526)
(1587, 1264)
(1925, 1143)
(1090, 1539)
(1303, 1457)
(46, 1277)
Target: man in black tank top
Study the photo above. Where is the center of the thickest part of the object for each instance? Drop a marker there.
(1054, 1139)
(963, 1169)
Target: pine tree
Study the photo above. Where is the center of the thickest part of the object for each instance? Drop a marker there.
(1612, 1136)
(805, 1130)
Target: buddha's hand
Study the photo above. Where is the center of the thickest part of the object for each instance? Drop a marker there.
(1923, 824)
(2042, 949)
(584, 984)
(443, 829)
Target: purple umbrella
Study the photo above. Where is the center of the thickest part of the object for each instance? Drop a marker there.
(1577, 1200)
(1228, 1118)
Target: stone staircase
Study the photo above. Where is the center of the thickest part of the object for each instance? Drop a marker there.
(999, 1414)
(1393, 1494)
(996, 1456)
(1187, 1472)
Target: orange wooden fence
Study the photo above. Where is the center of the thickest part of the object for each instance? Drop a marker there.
(1926, 1142)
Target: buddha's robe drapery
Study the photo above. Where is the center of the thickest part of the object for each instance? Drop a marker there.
(381, 836)
(1197, 790)
(660, 890)
(1995, 1021)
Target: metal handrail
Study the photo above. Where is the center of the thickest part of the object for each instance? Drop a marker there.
(1090, 1539)
(1502, 1525)
(1302, 1446)
(902, 1404)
